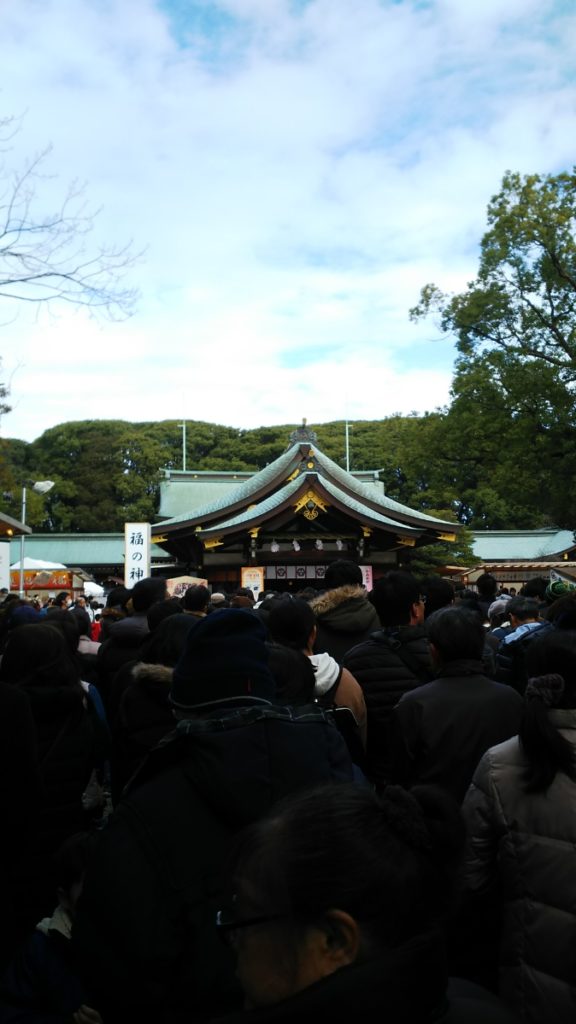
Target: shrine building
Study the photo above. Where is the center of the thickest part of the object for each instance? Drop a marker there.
(291, 519)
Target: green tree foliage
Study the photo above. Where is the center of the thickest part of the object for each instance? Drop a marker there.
(105, 471)
(4, 396)
(523, 300)
(506, 446)
(436, 558)
(509, 443)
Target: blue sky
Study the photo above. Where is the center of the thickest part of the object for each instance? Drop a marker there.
(293, 173)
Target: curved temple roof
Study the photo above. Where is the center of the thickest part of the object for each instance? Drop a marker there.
(270, 488)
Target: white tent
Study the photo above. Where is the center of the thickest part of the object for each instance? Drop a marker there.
(36, 563)
(92, 589)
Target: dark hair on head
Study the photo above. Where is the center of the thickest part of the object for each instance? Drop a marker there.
(83, 620)
(291, 622)
(439, 593)
(196, 599)
(487, 586)
(166, 642)
(67, 624)
(393, 596)
(118, 597)
(161, 610)
(39, 655)
(293, 674)
(535, 588)
(456, 632)
(341, 573)
(389, 861)
(146, 592)
(562, 612)
(549, 658)
(61, 598)
(523, 608)
(245, 592)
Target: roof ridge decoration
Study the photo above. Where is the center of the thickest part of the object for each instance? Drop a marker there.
(303, 433)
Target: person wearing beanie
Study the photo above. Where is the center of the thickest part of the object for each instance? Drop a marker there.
(145, 933)
(226, 659)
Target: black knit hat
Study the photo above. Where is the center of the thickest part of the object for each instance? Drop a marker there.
(225, 657)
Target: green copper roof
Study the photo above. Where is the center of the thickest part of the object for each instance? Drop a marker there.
(364, 512)
(242, 493)
(262, 508)
(303, 481)
(506, 545)
(77, 549)
(367, 492)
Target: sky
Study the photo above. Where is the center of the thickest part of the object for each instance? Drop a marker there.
(287, 175)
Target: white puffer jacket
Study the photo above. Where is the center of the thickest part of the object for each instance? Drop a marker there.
(527, 841)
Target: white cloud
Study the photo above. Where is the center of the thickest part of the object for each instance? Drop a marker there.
(296, 172)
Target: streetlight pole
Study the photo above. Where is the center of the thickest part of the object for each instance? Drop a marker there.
(23, 521)
(40, 487)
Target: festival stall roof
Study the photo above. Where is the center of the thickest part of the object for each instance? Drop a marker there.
(303, 492)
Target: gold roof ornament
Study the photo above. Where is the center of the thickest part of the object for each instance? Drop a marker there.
(311, 504)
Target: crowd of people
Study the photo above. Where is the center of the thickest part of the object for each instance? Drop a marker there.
(218, 808)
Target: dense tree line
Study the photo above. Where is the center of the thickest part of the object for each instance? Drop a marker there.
(485, 461)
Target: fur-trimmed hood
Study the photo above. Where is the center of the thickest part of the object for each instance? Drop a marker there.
(346, 609)
(152, 678)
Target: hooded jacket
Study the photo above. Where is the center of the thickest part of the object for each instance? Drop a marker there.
(144, 717)
(145, 929)
(524, 843)
(345, 617)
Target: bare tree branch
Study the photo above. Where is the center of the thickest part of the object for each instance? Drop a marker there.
(48, 258)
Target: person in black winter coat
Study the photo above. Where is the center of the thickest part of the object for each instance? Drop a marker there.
(37, 660)
(145, 928)
(441, 730)
(21, 796)
(395, 659)
(145, 713)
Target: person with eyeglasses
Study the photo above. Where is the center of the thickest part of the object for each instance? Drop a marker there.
(340, 898)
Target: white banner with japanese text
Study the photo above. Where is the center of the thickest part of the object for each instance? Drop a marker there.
(136, 553)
